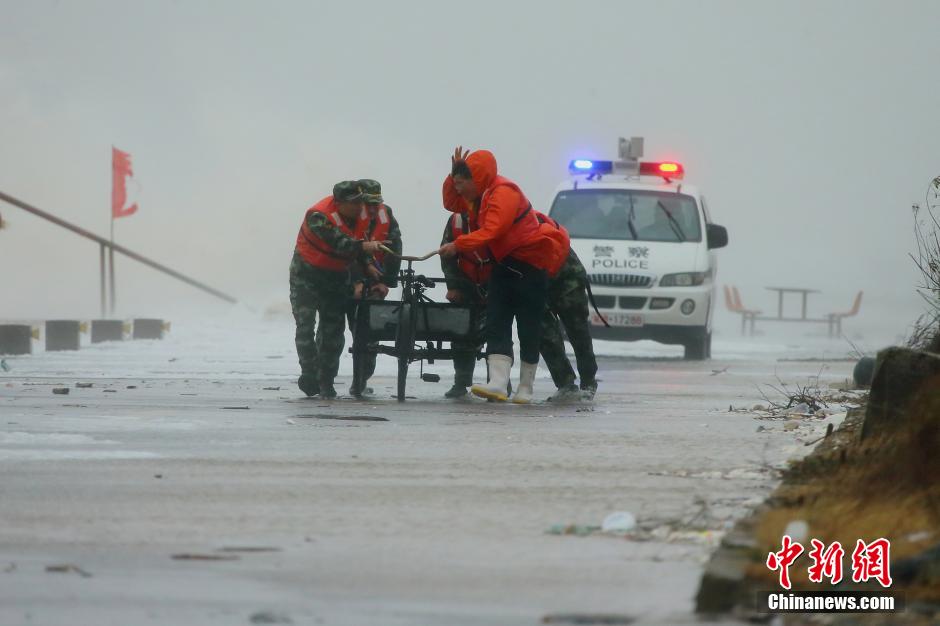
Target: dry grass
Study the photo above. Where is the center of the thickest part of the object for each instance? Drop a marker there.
(887, 486)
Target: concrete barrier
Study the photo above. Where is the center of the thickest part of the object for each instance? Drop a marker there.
(62, 335)
(16, 339)
(107, 330)
(148, 329)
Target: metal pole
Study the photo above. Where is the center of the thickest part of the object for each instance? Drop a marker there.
(113, 296)
(104, 302)
(115, 247)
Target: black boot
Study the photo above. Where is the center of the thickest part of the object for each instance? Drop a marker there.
(308, 384)
(457, 391)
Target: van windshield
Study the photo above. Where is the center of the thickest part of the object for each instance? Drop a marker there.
(628, 214)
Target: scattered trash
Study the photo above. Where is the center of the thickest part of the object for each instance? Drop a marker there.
(132, 386)
(800, 409)
(83, 385)
(588, 619)
(721, 371)
(174, 359)
(619, 523)
(158, 475)
(761, 429)
(4, 366)
(235, 408)
(67, 568)
(60, 391)
(581, 530)
(110, 390)
(272, 389)
(268, 617)
(798, 530)
(189, 556)
(291, 422)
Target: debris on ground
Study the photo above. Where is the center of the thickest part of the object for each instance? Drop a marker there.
(620, 522)
(235, 408)
(83, 385)
(60, 391)
(192, 556)
(4, 366)
(67, 568)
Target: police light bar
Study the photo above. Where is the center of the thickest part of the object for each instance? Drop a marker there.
(590, 166)
(670, 170)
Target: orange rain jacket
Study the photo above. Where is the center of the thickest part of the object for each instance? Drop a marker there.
(507, 224)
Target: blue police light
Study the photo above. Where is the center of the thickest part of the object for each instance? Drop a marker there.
(587, 166)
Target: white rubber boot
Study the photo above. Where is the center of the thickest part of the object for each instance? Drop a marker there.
(526, 380)
(495, 388)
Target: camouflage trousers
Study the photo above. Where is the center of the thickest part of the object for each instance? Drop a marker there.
(465, 356)
(568, 304)
(315, 292)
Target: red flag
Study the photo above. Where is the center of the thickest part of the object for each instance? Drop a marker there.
(120, 171)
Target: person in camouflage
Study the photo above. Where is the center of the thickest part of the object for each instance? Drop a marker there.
(461, 289)
(373, 280)
(331, 239)
(567, 303)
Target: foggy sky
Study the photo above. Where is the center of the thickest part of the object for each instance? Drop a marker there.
(811, 127)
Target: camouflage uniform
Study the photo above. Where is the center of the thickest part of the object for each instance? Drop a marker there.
(568, 303)
(316, 291)
(464, 363)
(372, 194)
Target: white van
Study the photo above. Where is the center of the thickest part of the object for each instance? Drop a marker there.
(647, 243)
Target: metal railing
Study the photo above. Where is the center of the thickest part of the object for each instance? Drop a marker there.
(112, 248)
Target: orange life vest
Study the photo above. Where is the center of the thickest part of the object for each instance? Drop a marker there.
(476, 264)
(319, 253)
(524, 227)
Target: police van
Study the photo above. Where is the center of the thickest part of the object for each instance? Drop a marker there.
(647, 242)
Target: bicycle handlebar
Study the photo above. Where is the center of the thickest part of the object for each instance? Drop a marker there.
(427, 256)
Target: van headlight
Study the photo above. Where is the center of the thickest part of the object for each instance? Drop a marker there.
(683, 279)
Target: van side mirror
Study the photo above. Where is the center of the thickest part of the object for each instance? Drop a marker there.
(717, 236)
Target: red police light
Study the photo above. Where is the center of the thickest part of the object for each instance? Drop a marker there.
(669, 170)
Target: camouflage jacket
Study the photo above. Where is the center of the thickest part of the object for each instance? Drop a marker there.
(322, 227)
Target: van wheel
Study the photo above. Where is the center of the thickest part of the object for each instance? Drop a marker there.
(699, 347)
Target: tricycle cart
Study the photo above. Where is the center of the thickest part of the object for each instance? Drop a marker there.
(416, 327)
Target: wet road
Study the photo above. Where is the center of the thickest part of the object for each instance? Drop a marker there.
(423, 512)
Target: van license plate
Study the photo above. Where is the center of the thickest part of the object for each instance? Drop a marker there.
(618, 319)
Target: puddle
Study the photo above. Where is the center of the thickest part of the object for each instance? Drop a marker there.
(354, 418)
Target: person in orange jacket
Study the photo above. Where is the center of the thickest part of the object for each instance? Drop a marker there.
(525, 253)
